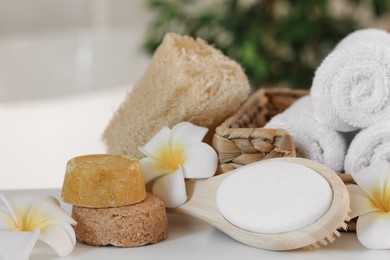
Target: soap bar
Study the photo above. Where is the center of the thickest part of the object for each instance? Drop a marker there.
(103, 180)
(274, 197)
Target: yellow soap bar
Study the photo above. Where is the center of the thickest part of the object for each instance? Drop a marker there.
(102, 181)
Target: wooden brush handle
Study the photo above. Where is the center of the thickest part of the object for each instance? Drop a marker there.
(347, 179)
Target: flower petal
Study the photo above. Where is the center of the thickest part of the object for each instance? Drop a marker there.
(373, 230)
(59, 235)
(45, 217)
(46, 208)
(19, 206)
(152, 169)
(375, 181)
(171, 189)
(154, 147)
(200, 161)
(7, 223)
(186, 133)
(7, 218)
(17, 245)
(360, 204)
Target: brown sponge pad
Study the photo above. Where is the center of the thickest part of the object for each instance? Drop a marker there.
(129, 226)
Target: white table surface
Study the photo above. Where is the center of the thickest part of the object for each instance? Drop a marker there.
(190, 238)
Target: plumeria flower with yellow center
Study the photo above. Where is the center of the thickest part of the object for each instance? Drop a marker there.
(370, 201)
(173, 155)
(25, 219)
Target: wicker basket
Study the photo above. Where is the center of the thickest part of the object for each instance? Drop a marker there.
(240, 140)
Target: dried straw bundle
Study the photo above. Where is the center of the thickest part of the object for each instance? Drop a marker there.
(240, 140)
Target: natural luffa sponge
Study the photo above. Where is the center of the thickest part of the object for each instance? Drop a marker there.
(187, 80)
(129, 226)
(103, 180)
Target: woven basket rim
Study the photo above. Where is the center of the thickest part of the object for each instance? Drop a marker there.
(224, 129)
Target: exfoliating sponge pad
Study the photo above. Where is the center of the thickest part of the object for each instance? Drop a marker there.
(103, 180)
(128, 226)
(187, 80)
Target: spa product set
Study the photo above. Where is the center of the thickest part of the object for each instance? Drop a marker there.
(161, 156)
(110, 203)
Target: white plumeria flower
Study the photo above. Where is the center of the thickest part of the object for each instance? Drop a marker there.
(25, 219)
(173, 155)
(370, 200)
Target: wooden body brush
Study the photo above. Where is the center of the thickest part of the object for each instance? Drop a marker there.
(207, 198)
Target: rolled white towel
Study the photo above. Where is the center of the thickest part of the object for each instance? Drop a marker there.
(312, 140)
(351, 88)
(369, 145)
(369, 34)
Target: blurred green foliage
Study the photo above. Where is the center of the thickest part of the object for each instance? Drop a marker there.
(278, 42)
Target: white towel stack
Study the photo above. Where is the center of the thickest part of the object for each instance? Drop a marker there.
(312, 141)
(351, 90)
(370, 145)
(350, 93)
(365, 35)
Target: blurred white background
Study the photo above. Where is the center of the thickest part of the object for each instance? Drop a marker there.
(56, 47)
(65, 66)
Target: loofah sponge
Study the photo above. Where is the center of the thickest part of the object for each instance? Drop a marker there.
(187, 80)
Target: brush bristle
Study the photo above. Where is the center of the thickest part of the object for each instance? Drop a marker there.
(331, 237)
